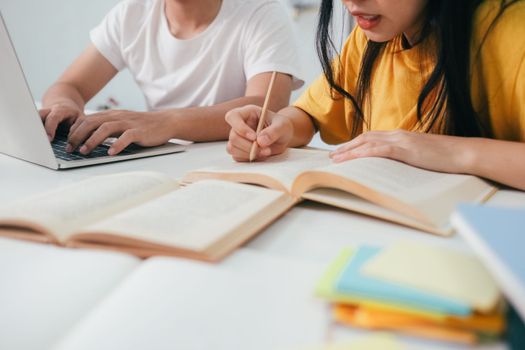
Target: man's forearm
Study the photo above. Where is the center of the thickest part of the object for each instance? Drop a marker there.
(63, 93)
(205, 123)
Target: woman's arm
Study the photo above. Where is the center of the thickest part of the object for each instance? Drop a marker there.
(500, 161)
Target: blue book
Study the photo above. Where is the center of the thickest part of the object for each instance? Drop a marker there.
(351, 281)
(497, 235)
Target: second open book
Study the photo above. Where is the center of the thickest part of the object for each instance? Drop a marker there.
(379, 187)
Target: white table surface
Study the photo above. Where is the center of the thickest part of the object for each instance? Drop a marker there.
(307, 237)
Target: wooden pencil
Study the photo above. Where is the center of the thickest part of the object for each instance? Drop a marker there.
(260, 125)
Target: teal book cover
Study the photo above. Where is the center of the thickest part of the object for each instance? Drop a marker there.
(497, 235)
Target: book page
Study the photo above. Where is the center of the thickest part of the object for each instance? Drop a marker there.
(46, 289)
(348, 201)
(189, 305)
(394, 178)
(432, 193)
(282, 168)
(69, 208)
(193, 217)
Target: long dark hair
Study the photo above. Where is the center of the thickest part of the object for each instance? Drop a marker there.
(445, 100)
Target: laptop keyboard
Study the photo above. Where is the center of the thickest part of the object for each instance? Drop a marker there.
(59, 148)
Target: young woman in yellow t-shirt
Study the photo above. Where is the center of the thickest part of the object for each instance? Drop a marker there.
(439, 84)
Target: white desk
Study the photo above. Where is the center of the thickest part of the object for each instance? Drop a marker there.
(295, 249)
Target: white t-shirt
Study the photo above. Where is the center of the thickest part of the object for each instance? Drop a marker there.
(246, 38)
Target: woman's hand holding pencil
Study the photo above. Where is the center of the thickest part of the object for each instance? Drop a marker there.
(273, 138)
(258, 133)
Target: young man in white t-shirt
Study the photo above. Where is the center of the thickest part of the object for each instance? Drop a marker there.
(194, 60)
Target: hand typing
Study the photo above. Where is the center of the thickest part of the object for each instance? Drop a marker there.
(144, 129)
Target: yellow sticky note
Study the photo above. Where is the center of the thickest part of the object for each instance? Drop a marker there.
(325, 288)
(379, 341)
(437, 270)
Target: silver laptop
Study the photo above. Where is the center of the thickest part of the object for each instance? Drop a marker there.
(22, 133)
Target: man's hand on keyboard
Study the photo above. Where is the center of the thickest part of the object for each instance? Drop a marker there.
(144, 129)
(57, 114)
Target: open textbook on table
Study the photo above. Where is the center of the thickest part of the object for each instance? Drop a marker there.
(146, 213)
(379, 187)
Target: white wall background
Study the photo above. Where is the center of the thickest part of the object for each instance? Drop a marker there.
(49, 34)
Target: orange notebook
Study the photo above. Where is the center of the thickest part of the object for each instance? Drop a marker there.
(455, 329)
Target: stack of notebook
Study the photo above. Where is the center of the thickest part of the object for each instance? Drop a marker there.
(415, 289)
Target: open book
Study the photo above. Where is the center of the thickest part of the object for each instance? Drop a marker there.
(63, 299)
(379, 187)
(146, 213)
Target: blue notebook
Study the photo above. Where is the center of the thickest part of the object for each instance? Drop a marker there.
(497, 235)
(351, 281)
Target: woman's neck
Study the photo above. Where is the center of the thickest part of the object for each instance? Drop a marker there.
(414, 34)
(187, 18)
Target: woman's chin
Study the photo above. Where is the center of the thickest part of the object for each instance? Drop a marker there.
(378, 37)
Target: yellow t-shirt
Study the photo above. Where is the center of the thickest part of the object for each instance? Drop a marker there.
(498, 81)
